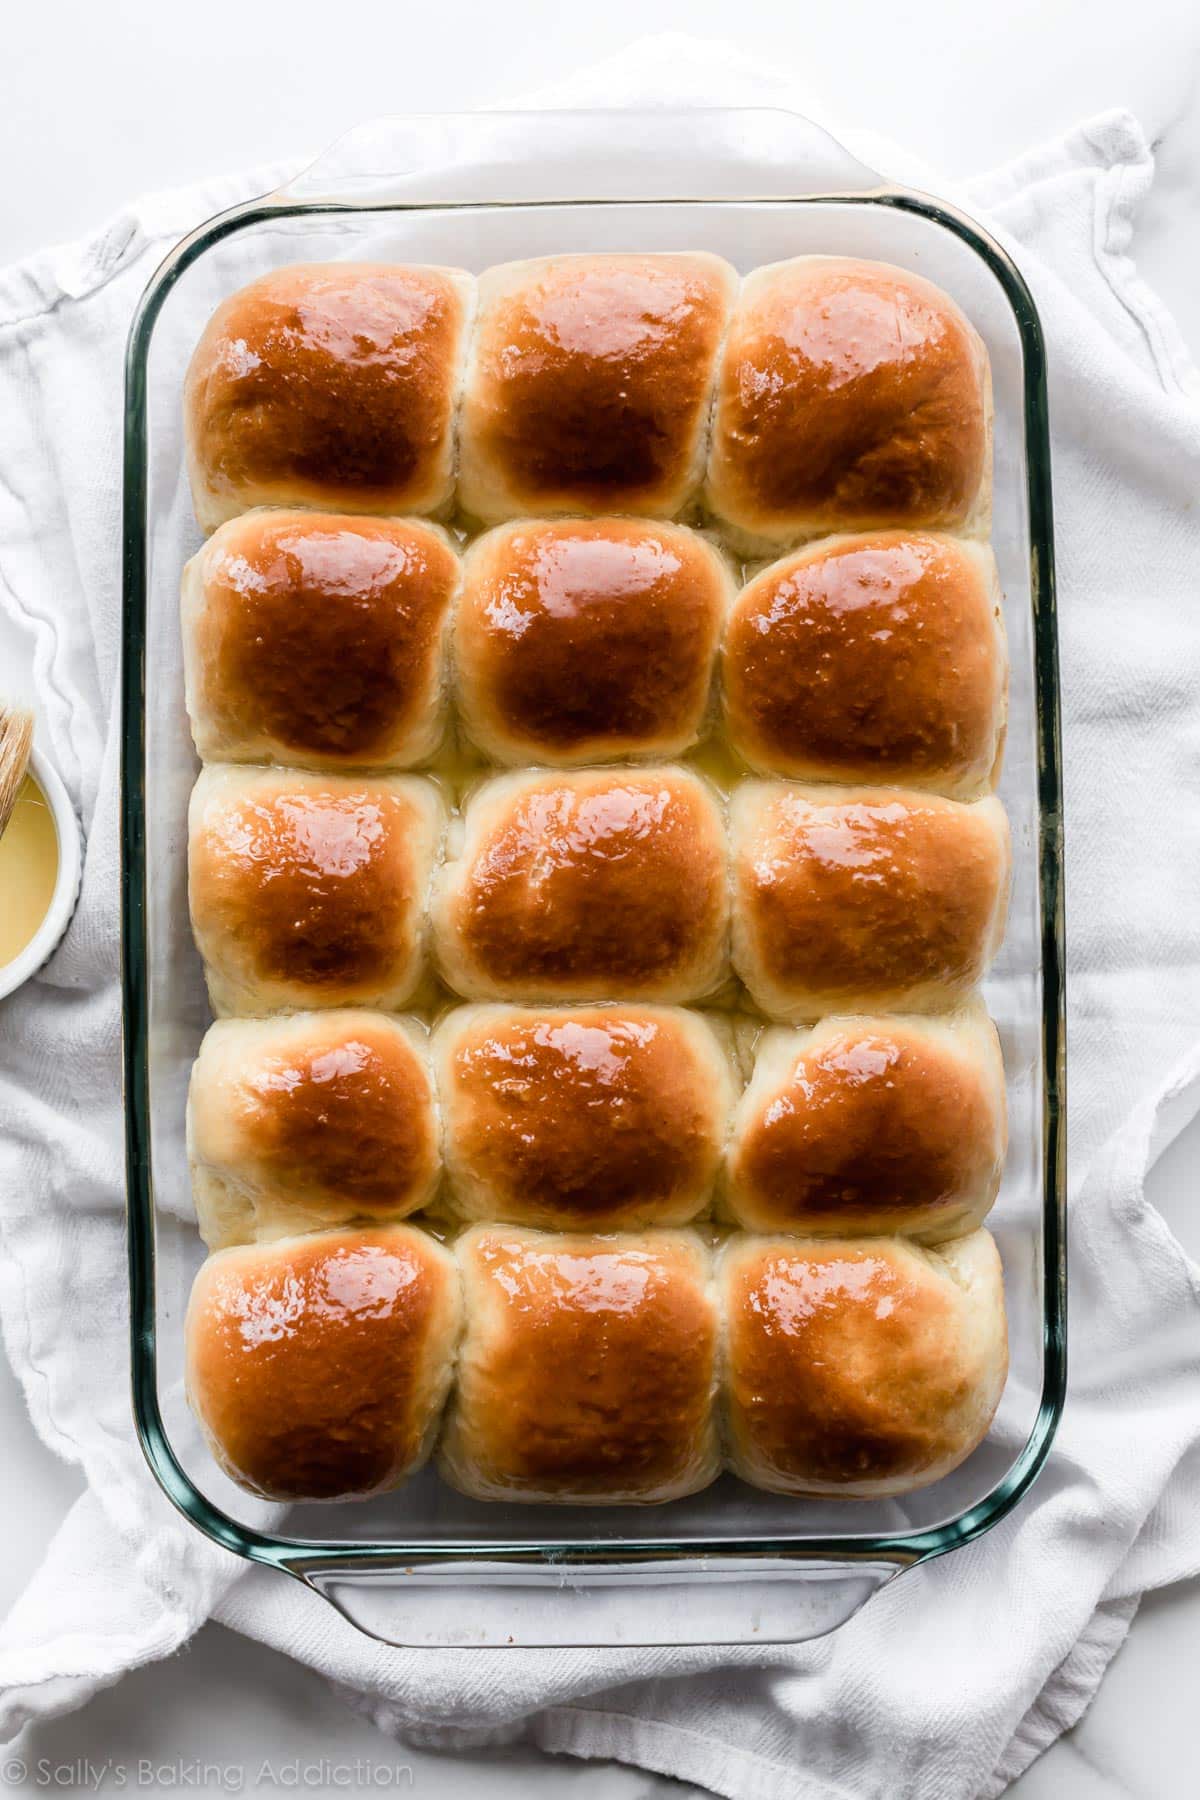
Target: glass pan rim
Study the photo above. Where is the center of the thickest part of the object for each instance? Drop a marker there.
(300, 1557)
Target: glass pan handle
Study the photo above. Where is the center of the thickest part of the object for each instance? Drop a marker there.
(447, 1604)
(670, 153)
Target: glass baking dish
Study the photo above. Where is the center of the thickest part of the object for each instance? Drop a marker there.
(425, 1566)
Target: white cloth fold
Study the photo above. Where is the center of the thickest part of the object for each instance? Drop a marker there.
(957, 1676)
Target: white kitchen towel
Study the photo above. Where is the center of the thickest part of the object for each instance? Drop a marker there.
(954, 1679)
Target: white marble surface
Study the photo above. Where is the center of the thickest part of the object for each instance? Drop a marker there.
(101, 102)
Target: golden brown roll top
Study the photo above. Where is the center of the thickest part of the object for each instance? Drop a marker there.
(588, 1369)
(858, 1367)
(606, 1117)
(309, 1120)
(318, 1366)
(869, 1125)
(589, 1363)
(584, 640)
(586, 886)
(851, 395)
(872, 658)
(850, 398)
(329, 385)
(589, 384)
(310, 890)
(864, 899)
(318, 639)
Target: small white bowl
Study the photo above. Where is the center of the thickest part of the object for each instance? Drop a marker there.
(48, 936)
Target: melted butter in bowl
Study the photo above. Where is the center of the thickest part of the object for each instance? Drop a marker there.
(28, 870)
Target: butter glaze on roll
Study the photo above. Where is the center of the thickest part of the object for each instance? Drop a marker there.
(588, 1370)
(850, 396)
(574, 1116)
(859, 1367)
(310, 890)
(864, 899)
(318, 1366)
(309, 1120)
(872, 658)
(318, 640)
(582, 640)
(329, 385)
(605, 1117)
(586, 886)
(589, 384)
(868, 1125)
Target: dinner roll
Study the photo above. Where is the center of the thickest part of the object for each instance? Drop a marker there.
(871, 658)
(872, 1125)
(586, 886)
(584, 640)
(864, 899)
(850, 395)
(587, 1372)
(317, 639)
(589, 382)
(862, 1366)
(606, 1116)
(309, 890)
(309, 1120)
(318, 1366)
(330, 385)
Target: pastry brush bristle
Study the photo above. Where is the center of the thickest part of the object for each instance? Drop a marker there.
(16, 741)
